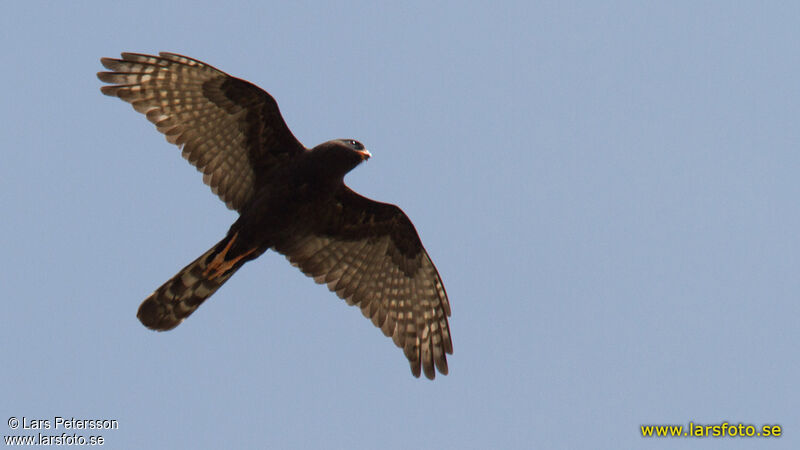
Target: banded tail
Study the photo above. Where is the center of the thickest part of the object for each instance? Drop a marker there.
(179, 297)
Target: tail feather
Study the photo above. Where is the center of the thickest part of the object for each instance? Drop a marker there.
(179, 297)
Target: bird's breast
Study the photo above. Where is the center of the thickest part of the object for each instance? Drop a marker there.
(277, 212)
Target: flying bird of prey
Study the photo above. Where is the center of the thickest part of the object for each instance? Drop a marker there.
(290, 199)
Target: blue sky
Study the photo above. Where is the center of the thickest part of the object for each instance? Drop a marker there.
(610, 192)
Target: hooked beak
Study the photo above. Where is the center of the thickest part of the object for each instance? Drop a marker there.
(365, 154)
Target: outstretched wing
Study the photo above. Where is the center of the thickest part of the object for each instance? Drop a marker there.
(231, 130)
(370, 254)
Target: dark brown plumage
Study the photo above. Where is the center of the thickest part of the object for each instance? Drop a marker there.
(290, 199)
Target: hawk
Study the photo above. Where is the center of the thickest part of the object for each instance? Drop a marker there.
(290, 199)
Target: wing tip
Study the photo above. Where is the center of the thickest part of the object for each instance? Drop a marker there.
(106, 77)
(109, 63)
(110, 91)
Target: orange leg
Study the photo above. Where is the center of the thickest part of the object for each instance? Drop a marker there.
(219, 265)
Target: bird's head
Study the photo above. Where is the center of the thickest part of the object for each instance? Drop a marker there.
(340, 156)
(353, 145)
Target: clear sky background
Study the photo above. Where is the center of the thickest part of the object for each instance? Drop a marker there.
(610, 192)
